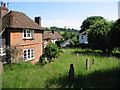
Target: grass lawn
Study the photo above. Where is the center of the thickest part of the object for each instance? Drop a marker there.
(104, 73)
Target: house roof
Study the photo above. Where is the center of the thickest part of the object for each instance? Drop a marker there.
(57, 35)
(83, 33)
(67, 42)
(52, 35)
(46, 34)
(15, 19)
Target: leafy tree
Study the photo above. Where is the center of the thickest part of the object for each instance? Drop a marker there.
(90, 21)
(115, 34)
(98, 37)
(66, 35)
(13, 54)
(50, 52)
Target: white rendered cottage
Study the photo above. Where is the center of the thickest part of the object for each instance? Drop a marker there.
(83, 38)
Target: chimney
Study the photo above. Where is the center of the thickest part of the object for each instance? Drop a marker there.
(53, 31)
(38, 20)
(3, 9)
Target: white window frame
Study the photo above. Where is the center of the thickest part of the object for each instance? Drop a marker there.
(2, 51)
(29, 55)
(28, 34)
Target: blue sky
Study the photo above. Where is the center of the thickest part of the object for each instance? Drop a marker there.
(69, 14)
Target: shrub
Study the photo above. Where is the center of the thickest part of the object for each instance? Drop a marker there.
(51, 52)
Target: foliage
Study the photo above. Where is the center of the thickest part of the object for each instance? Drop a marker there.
(98, 37)
(51, 52)
(115, 34)
(59, 42)
(13, 54)
(102, 74)
(90, 21)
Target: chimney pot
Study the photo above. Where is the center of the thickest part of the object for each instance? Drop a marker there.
(4, 4)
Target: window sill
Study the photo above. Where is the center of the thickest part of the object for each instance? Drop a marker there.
(28, 39)
(2, 54)
(29, 59)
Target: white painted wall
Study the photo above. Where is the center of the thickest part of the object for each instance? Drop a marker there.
(53, 40)
(83, 39)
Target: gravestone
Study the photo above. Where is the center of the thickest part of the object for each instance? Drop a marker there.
(93, 61)
(71, 72)
(77, 56)
(87, 64)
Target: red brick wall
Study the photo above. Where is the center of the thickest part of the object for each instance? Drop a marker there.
(16, 39)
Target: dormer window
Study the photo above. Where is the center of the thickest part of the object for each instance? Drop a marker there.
(28, 34)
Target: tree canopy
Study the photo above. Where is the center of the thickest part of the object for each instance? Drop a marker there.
(90, 21)
(115, 34)
(98, 37)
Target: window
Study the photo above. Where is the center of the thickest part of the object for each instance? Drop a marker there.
(28, 34)
(82, 37)
(2, 51)
(28, 54)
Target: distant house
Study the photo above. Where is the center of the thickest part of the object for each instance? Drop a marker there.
(67, 43)
(21, 31)
(83, 38)
(46, 38)
(51, 36)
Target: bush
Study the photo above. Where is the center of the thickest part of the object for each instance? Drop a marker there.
(52, 51)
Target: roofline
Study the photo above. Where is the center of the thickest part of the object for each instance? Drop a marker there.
(25, 28)
(2, 31)
(83, 32)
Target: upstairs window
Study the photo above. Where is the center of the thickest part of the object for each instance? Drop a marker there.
(28, 34)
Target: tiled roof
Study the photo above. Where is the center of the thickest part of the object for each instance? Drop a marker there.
(49, 34)
(57, 35)
(46, 34)
(15, 19)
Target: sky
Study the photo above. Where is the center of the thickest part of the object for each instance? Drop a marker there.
(66, 14)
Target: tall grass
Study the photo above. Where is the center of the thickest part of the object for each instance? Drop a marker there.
(54, 75)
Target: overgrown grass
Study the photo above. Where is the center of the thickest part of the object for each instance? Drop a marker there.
(103, 73)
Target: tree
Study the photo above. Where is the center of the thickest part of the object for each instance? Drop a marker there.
(52, 51)
(90, 21)
(115, 34)
(98, 37)
(13, 54)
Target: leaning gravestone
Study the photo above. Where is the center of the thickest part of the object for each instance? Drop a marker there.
(71, 72)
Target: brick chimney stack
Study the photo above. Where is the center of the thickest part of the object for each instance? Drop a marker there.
(38, 20)
(3, 9)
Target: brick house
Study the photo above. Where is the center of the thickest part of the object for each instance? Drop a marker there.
(21, 31)
(51, 36)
